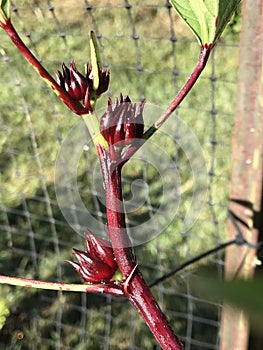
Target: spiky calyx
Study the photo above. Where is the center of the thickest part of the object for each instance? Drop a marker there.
(97, 264)
(122, 122)
(80, 87)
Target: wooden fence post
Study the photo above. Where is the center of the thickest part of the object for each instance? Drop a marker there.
(247, 168)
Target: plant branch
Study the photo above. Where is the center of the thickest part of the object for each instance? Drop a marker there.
(134, 286)
(74, 105)
(201, 64)
(203, 57)
(144, 301)
(112, 289)
(92, 124)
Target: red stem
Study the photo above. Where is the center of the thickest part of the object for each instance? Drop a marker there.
(203, 57)
(136, 289)
(202, 60)
(75, 106)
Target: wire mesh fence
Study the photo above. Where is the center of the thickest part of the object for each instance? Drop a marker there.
(150, 54)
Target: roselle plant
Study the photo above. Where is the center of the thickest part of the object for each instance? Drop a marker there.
(117, 135)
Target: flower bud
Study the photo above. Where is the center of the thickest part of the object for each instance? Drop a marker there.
(78, 82)
(100, 248)
(122, 122)
(134, 125)
(72, 81)
(97, 264)
(80, 88)
(104, 80)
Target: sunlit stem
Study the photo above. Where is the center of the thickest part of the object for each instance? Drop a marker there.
(74, 105)
(67, 287)
(200, 66)
(92, 124)
(134, 285)
(205, 51)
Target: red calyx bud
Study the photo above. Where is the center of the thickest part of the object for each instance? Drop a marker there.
(100, 248)
(104, 80)
(98, 263)
(78, 82)
(72, 81)
(122, 122)
(80, 88)
(134, 122)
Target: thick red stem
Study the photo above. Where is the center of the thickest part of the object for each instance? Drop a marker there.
(136, 289)
(75, 106)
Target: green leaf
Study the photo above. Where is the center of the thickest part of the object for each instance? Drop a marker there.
(4, 10)
(226, 9)
(206, 18)
(246, 295)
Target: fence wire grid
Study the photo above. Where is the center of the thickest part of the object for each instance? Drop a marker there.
(150, 53)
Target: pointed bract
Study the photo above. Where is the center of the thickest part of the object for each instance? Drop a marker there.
(97, 264)
(101, 249)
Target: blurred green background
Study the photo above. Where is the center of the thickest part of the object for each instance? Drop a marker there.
(150, 53)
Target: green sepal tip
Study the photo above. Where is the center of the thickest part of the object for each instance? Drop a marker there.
(95, 59)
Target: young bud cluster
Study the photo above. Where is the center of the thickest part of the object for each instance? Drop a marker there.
(81, 88)
(122, 122)
(97, 264)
